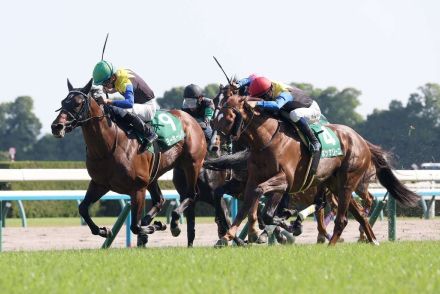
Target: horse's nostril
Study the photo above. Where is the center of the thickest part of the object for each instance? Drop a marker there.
(57, 127)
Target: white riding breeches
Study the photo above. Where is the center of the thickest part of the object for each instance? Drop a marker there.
(146, 110)
(312, 114)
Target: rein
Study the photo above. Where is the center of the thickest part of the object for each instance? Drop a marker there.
(79, 118)
(238, 128)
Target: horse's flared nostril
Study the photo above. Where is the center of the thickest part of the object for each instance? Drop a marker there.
(57, 130)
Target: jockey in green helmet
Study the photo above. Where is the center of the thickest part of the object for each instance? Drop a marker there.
(138, 107)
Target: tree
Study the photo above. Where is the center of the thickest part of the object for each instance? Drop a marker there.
(71, 147)
(19, 127)
(171, 99)
(338, 106)
(411, 132)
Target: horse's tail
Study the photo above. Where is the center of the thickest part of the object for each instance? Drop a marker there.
(387, 178)
(237, 161)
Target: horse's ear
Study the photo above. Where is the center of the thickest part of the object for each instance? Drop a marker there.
(69, 85)
(87, 88)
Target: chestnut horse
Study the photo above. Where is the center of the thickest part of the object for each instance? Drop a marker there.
(114, 162)
(278, 163)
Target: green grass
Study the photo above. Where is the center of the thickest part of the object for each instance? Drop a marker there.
(75, 221)
(403, 267)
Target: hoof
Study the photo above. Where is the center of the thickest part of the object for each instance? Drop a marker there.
(142, 240)
(221, 243)
(321, 239)
(239, 242)
(279, 236)
(341, 240)
(159, 226)
(296, 228)
(253, 238)
(375, 242)
(105, 232)
(174, 226)
(263, 238)
(147, 229)
(175, 231)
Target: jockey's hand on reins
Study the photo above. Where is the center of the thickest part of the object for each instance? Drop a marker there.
(252, 104)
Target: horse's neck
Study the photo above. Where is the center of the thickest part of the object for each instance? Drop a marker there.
(261, 131)
(99, 135)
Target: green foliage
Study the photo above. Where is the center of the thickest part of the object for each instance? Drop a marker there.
(71, 147)
(211, 90)
(338, 106)
(411, 132)
(19, 127)
(172, 99)
(401, 267)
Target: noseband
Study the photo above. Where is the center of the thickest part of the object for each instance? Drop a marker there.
(80, 117)
(238, 127)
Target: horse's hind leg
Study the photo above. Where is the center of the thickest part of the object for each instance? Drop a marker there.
(93, 194)
(191, 174)
(157, 203)
(190, 223)
(355, 210)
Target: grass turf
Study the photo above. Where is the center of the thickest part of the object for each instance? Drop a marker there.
(401, 267)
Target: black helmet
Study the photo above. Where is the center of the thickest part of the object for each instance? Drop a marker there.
(192, 91)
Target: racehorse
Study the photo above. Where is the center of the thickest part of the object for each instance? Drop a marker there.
(302, 199)
(278, 163)
(207, 182)
(114, 162)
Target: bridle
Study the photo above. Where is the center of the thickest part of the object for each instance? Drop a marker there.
(238, 127)
(82, 116)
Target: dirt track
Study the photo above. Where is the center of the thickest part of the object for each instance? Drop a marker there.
(50, 238)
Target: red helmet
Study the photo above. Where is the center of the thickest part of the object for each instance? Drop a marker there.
(259, 86)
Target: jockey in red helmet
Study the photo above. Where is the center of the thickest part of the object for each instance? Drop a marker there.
(301, 107)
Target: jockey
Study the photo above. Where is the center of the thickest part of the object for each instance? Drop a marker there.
(302, 108)
(139, 99)
(200, 107)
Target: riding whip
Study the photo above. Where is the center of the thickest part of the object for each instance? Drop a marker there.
(103, 49)
(227, 78)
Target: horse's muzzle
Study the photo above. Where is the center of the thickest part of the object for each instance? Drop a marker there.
(58, 130)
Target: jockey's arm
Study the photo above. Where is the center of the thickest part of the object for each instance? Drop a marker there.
(279, 102)
(129, 98)
(209, 110)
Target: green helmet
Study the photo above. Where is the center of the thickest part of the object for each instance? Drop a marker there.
(102, 72)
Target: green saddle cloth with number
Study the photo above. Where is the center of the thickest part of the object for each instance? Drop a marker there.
(331, 146)
(168, 129)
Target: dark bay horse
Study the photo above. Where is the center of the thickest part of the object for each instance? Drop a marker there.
(114, 163)
(278, 163)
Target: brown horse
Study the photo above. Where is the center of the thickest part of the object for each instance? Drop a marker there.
(278, 163)
(114, 162)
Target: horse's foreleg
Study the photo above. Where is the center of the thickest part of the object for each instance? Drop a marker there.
(252, 194)
(93, 194)
(221, 212)
(157, 203)
(322, 232)
(137, 209)
(274, 188)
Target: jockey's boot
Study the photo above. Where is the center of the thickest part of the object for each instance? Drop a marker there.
(144, 129)
(314, 147)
